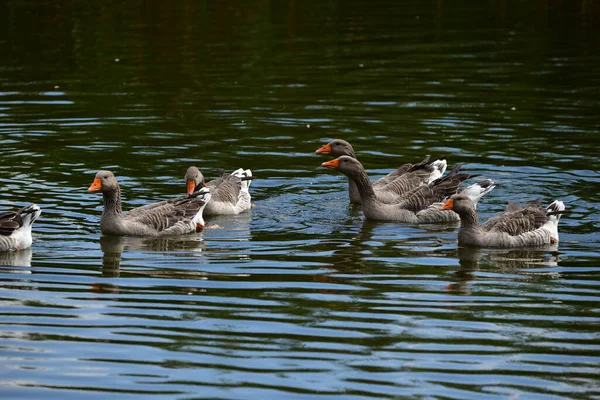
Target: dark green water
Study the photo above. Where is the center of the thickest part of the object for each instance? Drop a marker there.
(300, 298)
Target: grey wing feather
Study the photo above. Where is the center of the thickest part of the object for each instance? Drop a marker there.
(389, 178)
(170, 214)
(9, 222)
(425, 195)
(228, 191)
(517, 222)
(144, 210)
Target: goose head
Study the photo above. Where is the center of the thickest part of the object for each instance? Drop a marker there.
(459, 203)
(105, 181)
(336, 148)
(193, 179)
(346, 165)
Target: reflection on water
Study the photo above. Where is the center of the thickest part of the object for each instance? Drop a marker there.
(299, 297)
(16, 258)
(517, 261)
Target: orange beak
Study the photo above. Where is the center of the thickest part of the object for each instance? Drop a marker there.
(448, 205)
(95, 186)
(324, 150)
(333, 164)
(190, 187)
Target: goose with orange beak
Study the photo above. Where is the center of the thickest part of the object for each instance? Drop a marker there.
(230, 192)
(170, 217)
(529, 226)
(421, 205)
(388, 188)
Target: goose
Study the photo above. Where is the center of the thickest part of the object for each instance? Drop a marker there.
(420, 205)
(529, 226)
(388, 188)
(229, 192)
(170, 217)
(15, 228)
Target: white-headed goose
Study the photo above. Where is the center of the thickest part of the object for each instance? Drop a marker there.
(528, 226)
(401, 180)
(170, 217)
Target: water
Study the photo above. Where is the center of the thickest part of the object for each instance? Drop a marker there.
(300, 298)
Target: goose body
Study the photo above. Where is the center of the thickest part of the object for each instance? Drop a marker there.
(422, 204)
(528, 226)
(230, 192)
(15, 228)
(390, 187)
(170, 217)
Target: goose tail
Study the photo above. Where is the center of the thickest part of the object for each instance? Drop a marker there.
(553, 213)
(29, 214)
(439, 167)
(477, 190)
(245, 176)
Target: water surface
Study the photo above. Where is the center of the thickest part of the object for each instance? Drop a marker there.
(299, 298)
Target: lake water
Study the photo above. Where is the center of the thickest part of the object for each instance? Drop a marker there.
(299, 298)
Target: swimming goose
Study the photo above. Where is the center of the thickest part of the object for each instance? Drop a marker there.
(15, 227)
(527, 226)
(169, 217)
(388, 188)
(420, 205)
(229, 192)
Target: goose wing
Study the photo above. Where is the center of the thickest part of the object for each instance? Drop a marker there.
(395, 174)
(9, 222)
(517, 222)
(415, 175)
(150, 208)
(423, 196)
(507, 221)
(228, 191)
(167, 214)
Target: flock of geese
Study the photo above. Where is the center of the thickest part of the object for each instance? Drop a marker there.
(413, 193)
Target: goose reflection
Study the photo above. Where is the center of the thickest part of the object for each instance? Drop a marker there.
(20, 258)
(472, 259)
(113, 246)
(349, 257)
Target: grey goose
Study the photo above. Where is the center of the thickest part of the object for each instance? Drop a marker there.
(170, 217)
(529, 226)
(422, 204)
(388, 188)
(230, 192)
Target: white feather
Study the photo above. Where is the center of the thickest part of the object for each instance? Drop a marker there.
(439, 169)
(552, 223)
(476, 191)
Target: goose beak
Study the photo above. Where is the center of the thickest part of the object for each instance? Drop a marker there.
(333, 164)
(190, 186)
(95, 186)
(324, 150)
(448, 205)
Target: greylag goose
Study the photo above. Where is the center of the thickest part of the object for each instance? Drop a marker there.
(401, 180)
(527, 226)
(15, 228)
(230, 193)
(170, 217)
(423, 204)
